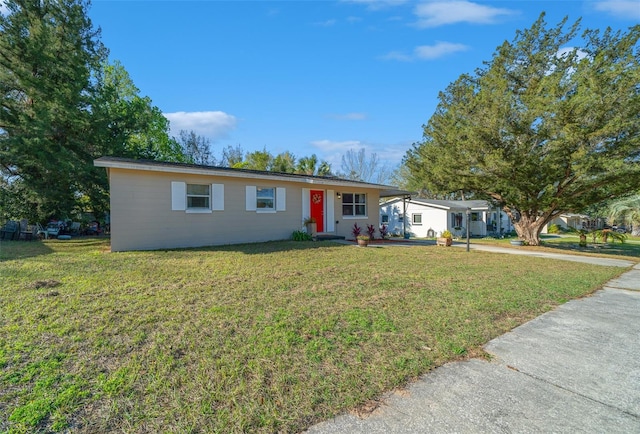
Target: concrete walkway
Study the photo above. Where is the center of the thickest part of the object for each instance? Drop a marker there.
(574, 369)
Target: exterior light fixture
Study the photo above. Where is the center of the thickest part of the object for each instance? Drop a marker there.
(339, 195)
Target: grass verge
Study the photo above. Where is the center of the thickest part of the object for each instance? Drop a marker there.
(629, 250)
(260, 338)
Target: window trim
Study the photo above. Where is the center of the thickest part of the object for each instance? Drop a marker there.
(279, 199)
(179, 198)
(354, 204)
(198, 209)
(272, 198)
(413, 219)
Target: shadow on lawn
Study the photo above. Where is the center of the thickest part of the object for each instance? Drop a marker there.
(11, 250)
(614, 249)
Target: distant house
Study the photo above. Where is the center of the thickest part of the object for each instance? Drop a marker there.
(429, 218)
(575, 221)
(157, 205)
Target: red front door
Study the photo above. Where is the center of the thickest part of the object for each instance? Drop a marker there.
(317, 208)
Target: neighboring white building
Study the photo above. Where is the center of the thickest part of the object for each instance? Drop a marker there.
(574, 221)
(425, 218)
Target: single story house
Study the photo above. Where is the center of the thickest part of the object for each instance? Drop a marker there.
(575, 221)
(159, 205)
(426, 218)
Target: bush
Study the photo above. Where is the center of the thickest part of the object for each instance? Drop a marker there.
(554, 229)
(384, 231)
(371, 230)
(356, 230)
(447, 234)
(301, 236)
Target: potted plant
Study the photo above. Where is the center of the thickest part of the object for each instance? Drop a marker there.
(311, 226)
(446, 239)
(363, 240)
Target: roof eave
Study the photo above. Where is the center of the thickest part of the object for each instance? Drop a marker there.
(111, 163)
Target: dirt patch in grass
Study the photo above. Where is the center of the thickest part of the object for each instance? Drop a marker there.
(50, 283)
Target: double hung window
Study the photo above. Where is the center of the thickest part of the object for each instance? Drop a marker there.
(265, 198)
(198, 196)
(354, 204)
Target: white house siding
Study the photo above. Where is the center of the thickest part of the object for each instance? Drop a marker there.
(436, 219)
(142, 215)
(394, 211)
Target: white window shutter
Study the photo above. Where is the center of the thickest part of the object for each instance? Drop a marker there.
(178, 196)
(281, 199)
(217, 190)
(330, 200)
(306, 203)
(251, 197)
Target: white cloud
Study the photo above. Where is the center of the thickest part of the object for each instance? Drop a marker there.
(397, 55)
(434, 14)
(377, 4)
(569, 50)
(327, 23)
(620, 9)
(426, 52)
(348, 116)
(212, 124)
(329, 146)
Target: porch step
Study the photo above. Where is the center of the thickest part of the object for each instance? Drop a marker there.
(326, 237)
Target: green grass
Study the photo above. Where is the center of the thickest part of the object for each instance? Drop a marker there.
(569, 243)
(254, 338)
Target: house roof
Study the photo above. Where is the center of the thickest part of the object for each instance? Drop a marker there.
(450, 205)
(572, 215)
(475, 205)
(162, 166)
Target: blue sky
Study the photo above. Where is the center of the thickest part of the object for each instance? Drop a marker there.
(317, 77)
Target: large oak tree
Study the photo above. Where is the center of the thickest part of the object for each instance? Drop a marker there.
(61, 106)
(550, 125)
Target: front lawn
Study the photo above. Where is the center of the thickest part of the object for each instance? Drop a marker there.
(267, 337)
(570, 243)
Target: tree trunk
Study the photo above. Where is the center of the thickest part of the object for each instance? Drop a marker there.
(528, 229)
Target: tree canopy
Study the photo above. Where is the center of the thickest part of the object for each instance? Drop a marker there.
(626, 211)
(63, 105)
(48, 51)
(545, 127)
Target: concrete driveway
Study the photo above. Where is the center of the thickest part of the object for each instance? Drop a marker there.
(574, 369)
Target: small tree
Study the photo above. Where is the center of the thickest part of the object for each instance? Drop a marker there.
(358, 167)
(196, 148)
(627, 211)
